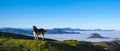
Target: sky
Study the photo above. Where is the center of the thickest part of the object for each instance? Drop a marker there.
(85, 14)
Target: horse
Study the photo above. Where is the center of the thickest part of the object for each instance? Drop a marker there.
(37, 32)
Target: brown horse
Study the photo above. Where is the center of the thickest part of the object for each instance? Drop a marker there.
(36, 32)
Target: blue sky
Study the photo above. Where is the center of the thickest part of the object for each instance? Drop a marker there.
(86, 14)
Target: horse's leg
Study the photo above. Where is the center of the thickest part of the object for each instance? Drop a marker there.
(35, 35)
(42, 35)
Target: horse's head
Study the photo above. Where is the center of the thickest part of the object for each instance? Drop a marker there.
(34, 28)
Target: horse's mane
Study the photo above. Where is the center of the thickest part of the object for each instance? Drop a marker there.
(34, 28)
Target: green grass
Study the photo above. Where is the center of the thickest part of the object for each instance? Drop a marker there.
(37, 45)
(13, 42)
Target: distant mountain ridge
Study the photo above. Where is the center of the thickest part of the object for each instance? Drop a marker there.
(29, 31)
(16, 30)
(78, 29)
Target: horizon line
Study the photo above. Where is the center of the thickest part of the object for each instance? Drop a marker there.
(61, 27)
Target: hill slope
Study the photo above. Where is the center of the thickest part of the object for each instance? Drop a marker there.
(16, 42)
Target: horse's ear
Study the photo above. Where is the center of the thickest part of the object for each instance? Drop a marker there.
(34, 26)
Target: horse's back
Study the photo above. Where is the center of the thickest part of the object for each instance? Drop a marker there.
(41, 30)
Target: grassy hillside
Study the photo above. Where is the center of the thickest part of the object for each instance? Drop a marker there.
(18, 36)
(15, 42)
(111, 45)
